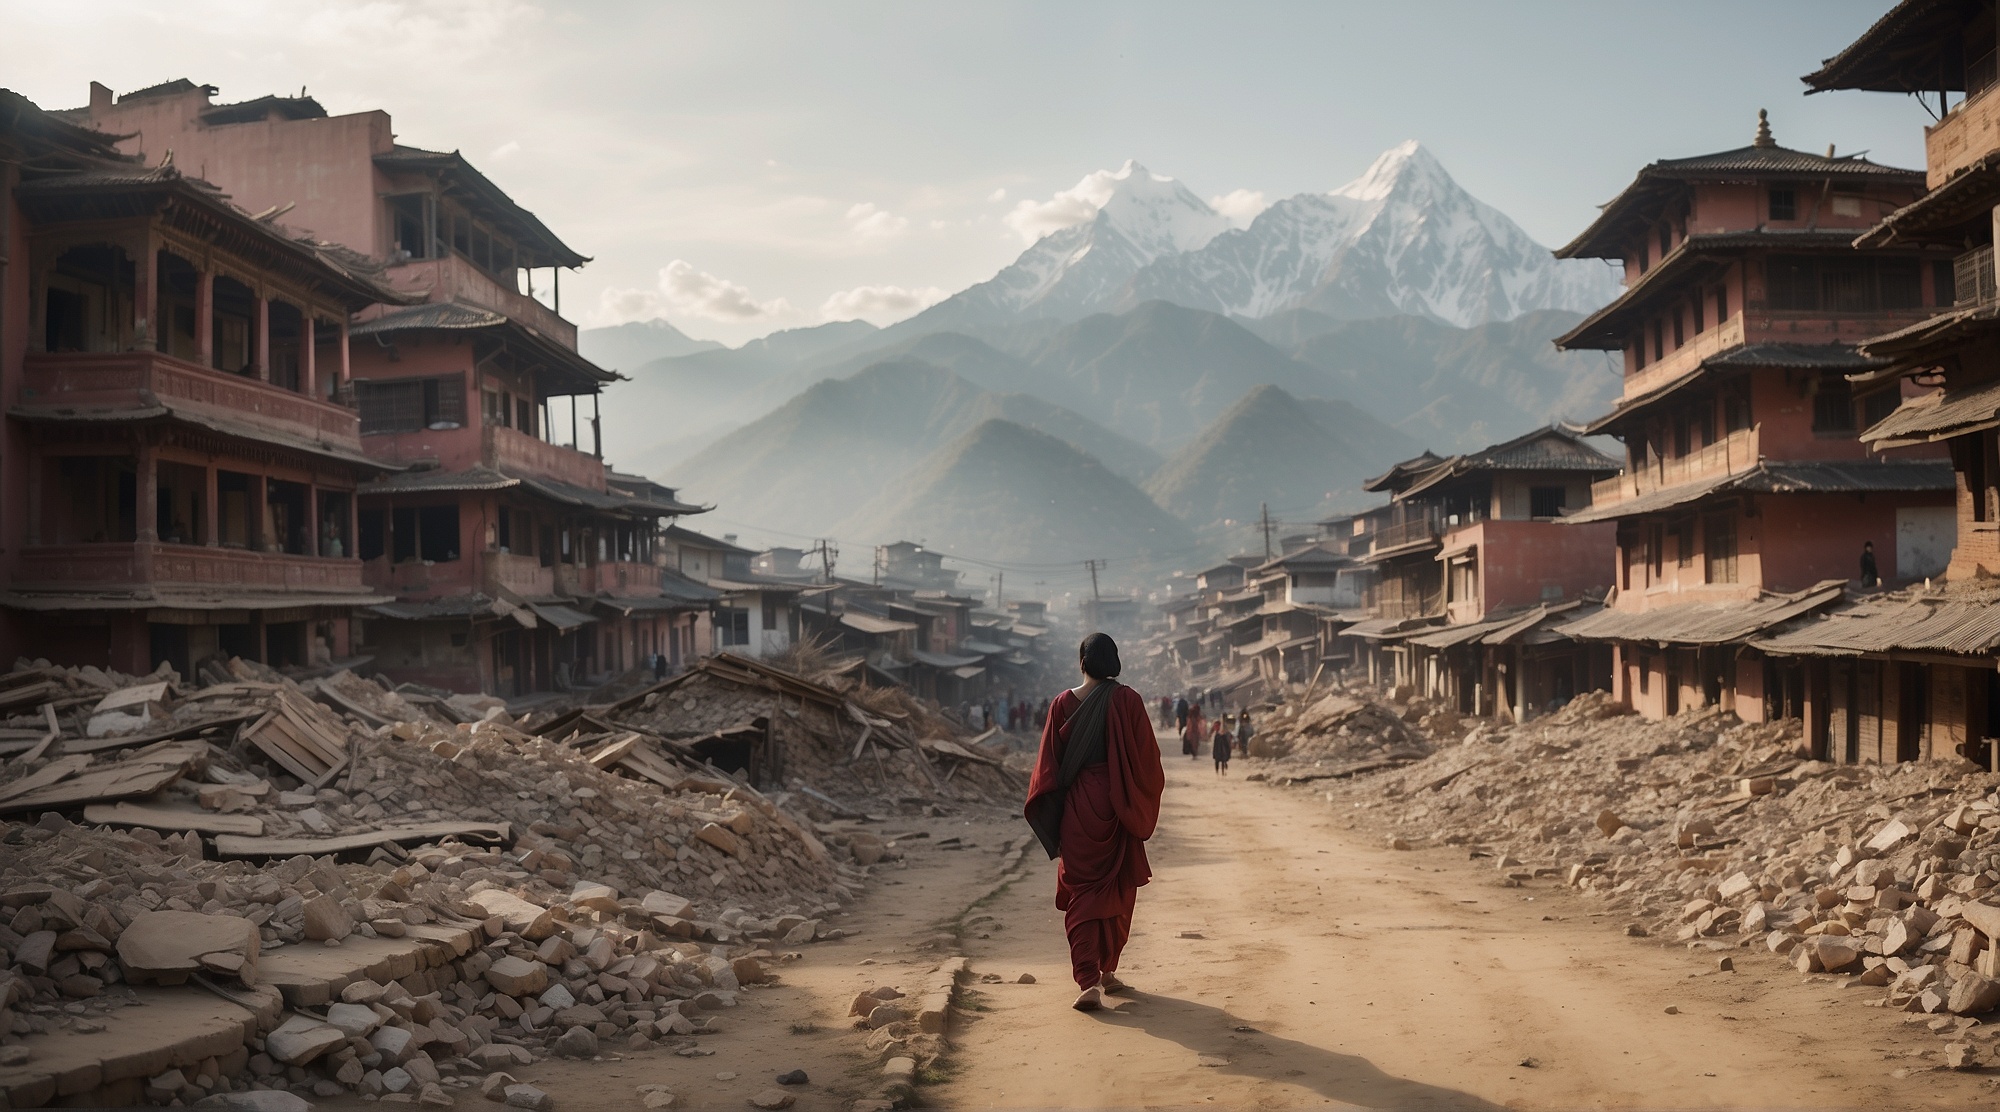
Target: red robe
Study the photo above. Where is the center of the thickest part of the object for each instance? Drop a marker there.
(1108, 814)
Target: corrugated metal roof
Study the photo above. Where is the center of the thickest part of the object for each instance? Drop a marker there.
(1966, 197)
(1704, 623)
(1946, 413)
(1389, 629)
(1910, 621)
(869, 623)
(562, 617)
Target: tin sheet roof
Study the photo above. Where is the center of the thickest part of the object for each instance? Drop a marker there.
(1949, 412)
(1907, 621)
(1704, 623)
(1875, 476)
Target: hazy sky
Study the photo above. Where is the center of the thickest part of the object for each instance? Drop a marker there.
(739, 167)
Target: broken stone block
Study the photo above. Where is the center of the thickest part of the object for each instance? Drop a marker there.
(256, 1100)
(1973, 994)
(772, 1099)
(355, 1020)
(666, 903)
(722, 838)
(301, 1039)
(577, 1042)
(1608, 823)
(521, 1095)
(517, 977)
(166, 947)
(1961, 1056)
(1892, 834)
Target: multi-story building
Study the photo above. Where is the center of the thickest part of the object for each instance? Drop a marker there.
(180, 457)
(1910, 674)
(1746, 500)
(514, 564)
(1477, 560)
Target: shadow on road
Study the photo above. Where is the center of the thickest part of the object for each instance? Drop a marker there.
(1212, 1033)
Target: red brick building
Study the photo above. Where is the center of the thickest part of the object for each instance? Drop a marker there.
(1746, 498)
(514, 564)
(180, 476)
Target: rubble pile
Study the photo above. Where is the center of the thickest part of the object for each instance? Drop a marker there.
(402, 893)
(1341, 734)
(1720, 834)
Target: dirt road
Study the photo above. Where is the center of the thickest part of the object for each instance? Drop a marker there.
(1282, 961)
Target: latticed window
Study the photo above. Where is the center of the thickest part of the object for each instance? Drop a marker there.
(1720, 550)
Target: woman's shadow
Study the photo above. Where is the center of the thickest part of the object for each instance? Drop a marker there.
(1214, 1034)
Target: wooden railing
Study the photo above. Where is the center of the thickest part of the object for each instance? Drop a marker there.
(1731, 455)
(1968, 133)
(143, 379)
(455, 278)
(517, 453)
(180, 565)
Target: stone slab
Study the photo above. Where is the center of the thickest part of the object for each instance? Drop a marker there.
(170, 1028)
(312, 976)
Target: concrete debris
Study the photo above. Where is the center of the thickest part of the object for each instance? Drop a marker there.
(1709, 831)
(400, 890)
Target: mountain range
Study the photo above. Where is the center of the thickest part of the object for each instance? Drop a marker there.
(1200, 368)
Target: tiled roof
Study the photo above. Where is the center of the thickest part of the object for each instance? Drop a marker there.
(1704, 623)
(487, 199)
(1401, 473)
(1545, 449)
(1915, 48)
(1691, 258)
(1942, 215)
(1870, 476)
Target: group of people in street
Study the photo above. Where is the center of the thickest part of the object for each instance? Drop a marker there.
(1012, 712)
(1225, 735)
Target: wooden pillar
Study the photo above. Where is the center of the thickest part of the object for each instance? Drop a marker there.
(145, 280)
(204, 318)
(312, 519)
(346, 369)
(259, 514)
(211, 511)
(262, 343)
(308, 365)
(148, 510)
(33, 534)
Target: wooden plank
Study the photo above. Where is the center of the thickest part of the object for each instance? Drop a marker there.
(31, 694)
(331, 750)
(48, 739)
(28, 675)
(259, 732)
(613, 750)
(125, 741)
(867, 728)
(143, 773)
(51, 773)
(161, 816)
(237, 845)
(281, 729)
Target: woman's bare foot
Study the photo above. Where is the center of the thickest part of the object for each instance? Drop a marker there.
(1111, 985)
(1089, 1000)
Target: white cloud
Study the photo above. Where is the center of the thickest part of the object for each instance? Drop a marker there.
(879, 304)
(1241, 206)
(1032, 220)
(997, 195)
(872, 224)
(684, 291)
(503, 150)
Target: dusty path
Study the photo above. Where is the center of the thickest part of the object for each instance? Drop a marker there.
(1332, 972)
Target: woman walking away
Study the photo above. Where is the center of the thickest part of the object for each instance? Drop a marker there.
(1093, 801)
(1223, 739)
(1193, 732)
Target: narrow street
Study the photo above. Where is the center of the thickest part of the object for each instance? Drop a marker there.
(1282, 961)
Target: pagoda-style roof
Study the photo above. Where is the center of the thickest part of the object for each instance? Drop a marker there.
(1551, 448)
(1693, 259)
(1403, 474)
(1916, 48)
(1962, 206)
(1641, 203)
(558, 369)
(459, 180)
(1845, 358)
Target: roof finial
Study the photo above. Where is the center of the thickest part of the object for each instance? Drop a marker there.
(1763, 131)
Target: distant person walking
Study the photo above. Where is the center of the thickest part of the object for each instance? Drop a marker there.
(1180, 712)
(1869, 576)
(1193, 732)
(1093, 801)
(1221, 745)
(659, 667)
(1244, 732)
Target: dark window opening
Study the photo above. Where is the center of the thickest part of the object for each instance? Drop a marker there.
(177, 282)
(335, 542)
(179, 491)
(288, 333)
(1704, 426)
(238, 520)
(410, 405)
(290, 527)
(1656, 551)
(1695, 305)
(408, 219)
(1679, 339)
(95, 500)
(1681, 445)
(1944, 284)
(1684, 543)
(1833, 405)
(1784, 204)
(374, 534)
(1659, 343)
(1666, 239)
(1721, 304)
(1878, 405)
(403, 534)
(1547, 501)
(546, 548)
(233, 315)
(437, 530)
(503, 533)
(1735, 411)
(1719, 548)
(1800, 283)
(770, 615)
(88, 300)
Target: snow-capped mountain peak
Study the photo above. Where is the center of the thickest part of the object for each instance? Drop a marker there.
(1157, 214)
(1407, 165)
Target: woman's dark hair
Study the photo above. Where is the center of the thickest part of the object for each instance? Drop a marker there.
(1099, 655)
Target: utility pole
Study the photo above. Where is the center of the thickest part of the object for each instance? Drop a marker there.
(1000, 592)
(1264, 516)
(828, 553)
(1093, 565)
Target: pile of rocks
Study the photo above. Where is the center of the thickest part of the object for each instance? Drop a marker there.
(577, 905)
(1720, 834)
(1342, 728)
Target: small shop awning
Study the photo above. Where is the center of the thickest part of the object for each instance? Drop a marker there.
(563, 618)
